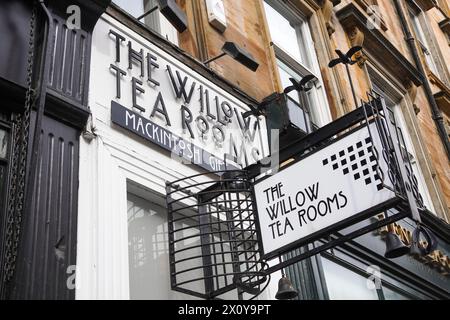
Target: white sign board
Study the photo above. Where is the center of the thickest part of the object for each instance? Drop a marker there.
(326, 188)
(159, 98)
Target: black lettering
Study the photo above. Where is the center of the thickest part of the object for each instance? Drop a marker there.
(202, 125)
(267, 194)
(292, 208)
(208, 107)
(344, 197)
(221, 121)
(273, 229)
(280, 193)
(202, 99)
(136, 57)
(313, 191)
(272, 210)
(134, 92)
(119, 73)
(332, 200)
(324, 207)
(151, 63)
(286, 224)
(186, 120)
(302, 202)
(283, 207)
(242, 122)
(311, 208)
(227, 111)
(118, 40)
(187, 97)
(180, 90)
(301, 216)
(218, 134)
(160, 102)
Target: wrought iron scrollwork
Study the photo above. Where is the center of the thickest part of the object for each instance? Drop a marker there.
(391, 138)
(386, 153)
(411, 177)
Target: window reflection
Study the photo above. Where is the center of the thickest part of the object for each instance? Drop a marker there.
(393, 295)
(344, 284)
(3, 144)
(299, 104)
(283, 33)
(148, 251)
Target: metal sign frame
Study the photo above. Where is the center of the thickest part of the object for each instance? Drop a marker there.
(220, 250)
(391, 203)
(407, 200)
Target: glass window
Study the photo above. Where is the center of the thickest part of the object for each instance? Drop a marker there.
(155, 20)
(135, 8)
(344, 284)
(298, 103)
(296, 58)
(3, 144)
(283, 33)
(148, 251)
(418, 30)
(390, 294)
(407, 146)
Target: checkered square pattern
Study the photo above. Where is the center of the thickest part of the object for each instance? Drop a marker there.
(358, 161)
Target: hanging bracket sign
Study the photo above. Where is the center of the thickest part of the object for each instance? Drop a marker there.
(328, 189)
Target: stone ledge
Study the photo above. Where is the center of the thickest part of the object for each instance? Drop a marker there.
(378, 45)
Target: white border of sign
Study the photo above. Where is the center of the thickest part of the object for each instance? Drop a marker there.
(330, 188)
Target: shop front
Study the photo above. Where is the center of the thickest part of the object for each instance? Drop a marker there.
(157, 116)
(181, 195)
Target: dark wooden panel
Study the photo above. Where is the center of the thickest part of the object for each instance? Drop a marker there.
(48, 244)
(69, 61)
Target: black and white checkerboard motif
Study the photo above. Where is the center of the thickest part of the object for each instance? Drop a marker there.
(357, 160)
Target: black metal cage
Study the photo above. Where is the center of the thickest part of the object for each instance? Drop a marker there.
(213, 241)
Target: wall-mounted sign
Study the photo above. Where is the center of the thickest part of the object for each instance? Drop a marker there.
(159, 91)
(329, 188)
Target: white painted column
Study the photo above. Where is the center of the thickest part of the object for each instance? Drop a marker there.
(102, 251)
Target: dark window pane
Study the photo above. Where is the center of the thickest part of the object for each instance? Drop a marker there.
(3, 144)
